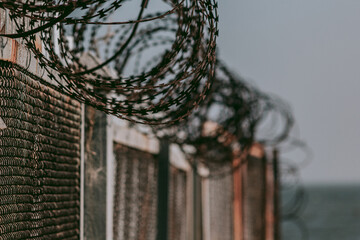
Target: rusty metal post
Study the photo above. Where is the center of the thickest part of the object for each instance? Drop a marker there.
(238, 197)
(269, 206)
(163, 191)
(254, 195)
(277, 227)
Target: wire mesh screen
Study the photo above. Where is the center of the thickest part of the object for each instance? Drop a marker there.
(39, 159)
(220, 192)
(135, 200)
(177, 204)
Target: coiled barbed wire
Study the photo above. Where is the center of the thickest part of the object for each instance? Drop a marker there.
(158, 91)
(294, 196)
(36, 16)
(228, 120)
(294, 200)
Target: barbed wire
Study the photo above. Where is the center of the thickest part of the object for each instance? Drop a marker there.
(156, 69)
(294, 199)
(158, 91)
(295, 154)
(227, 122)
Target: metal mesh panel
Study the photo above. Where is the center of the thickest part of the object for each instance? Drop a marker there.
(221, 207)
(177, 204)
(39, 159)
(135, 200)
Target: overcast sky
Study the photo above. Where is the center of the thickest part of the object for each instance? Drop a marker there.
(307, 52)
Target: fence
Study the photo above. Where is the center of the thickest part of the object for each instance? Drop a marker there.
(39, 158)
(71, 172)
(120, 181)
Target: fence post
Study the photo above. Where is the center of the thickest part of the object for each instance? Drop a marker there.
(163, 191)
(254, 195)
(277, 228)
(238, 196)
(197, 202)
(95, 175)
(195, 197)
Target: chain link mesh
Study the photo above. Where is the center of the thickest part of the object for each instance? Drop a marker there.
(39, 159)
(177, 204)
(135, 200)
(221, 207)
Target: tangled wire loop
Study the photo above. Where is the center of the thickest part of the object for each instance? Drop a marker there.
(126, 76)
(229, 120)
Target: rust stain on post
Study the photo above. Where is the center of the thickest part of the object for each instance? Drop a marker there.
(257, 150)
(38, 47)
(14, 50)
(38, 43)
(269, 206)
(238, 198)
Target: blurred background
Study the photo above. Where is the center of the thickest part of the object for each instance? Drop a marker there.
(308, 53)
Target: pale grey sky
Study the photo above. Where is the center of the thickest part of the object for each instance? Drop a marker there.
(307, 52)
